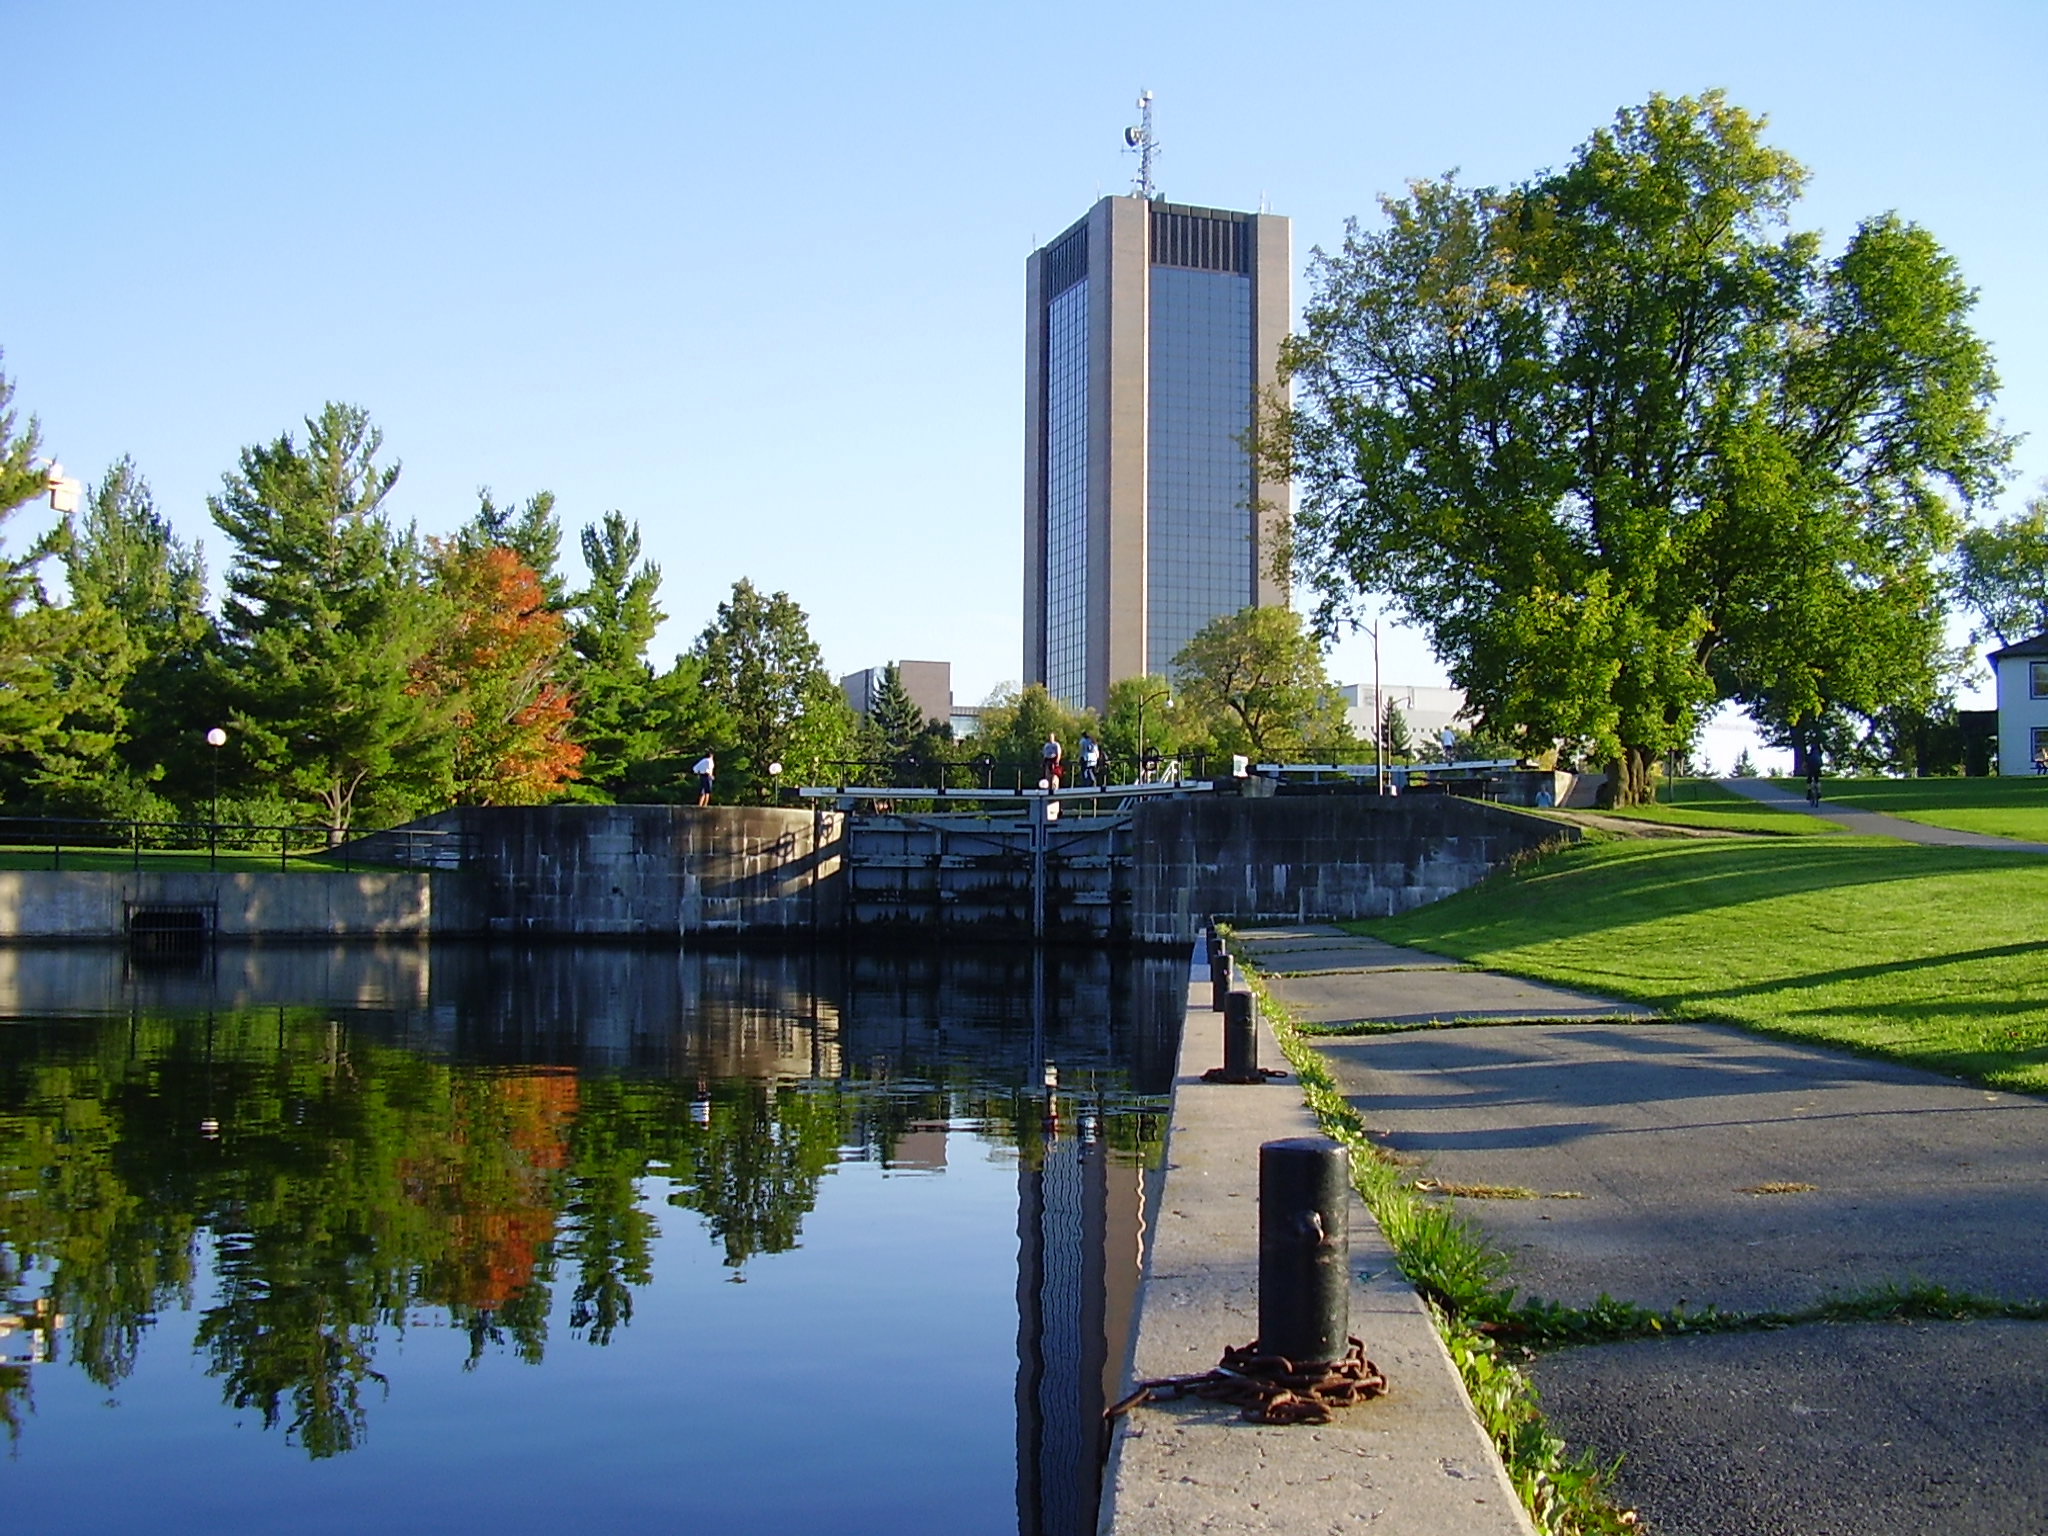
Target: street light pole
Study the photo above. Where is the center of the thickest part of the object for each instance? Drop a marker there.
(216, 739)
(1143, 700)
(1379, 719)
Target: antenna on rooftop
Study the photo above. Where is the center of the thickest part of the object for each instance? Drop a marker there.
(1139, 141)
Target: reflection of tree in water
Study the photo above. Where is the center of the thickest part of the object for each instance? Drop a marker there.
(344, 1184)
(756, 1165)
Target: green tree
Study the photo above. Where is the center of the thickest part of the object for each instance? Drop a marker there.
(61, 669)
(1013, 729)
(894, 713)
(496, 663)
(326, 618)
(138, 604)
(1624, 448)
(2001, 574)
(21, 481)
(1257, 676)
(765, 673)
(533, 533)
(1167, 729)
(619, 717)
(1394, 735)
(31, 708)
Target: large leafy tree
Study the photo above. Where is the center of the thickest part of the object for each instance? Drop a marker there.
(2001, 574)
(1256, 676)
(1623, 446)
(1146, 718)
(760, 665)
(326, 621)
(496, 662)
(1012, 730)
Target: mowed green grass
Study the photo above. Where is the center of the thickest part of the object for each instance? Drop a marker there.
(2003, 807)
(1933, 956)
(1704, 804)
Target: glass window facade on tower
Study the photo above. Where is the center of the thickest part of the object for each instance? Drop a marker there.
(1198, 548)
(1066, 493)
(1153, 327)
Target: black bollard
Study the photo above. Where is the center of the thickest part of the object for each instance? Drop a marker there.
(1241, 1037)
(1304, 1249)
(1221, 968)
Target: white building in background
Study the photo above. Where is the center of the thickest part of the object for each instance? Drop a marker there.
(2022, 673)
(1428, 711)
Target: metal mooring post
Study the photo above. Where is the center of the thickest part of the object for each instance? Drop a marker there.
(1304, 1249)
(1221, 973)
(1241, 1037)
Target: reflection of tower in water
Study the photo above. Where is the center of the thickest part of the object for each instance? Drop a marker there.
(1075, 1295)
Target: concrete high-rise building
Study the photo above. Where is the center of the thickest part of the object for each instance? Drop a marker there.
(1151, 330)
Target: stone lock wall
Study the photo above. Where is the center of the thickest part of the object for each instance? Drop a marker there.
(1286, 859)
(655, 871)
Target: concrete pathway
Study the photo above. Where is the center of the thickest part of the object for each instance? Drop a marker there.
(1327, 976)
(1784, 796)
(1648, 1150)
(1412, 1463)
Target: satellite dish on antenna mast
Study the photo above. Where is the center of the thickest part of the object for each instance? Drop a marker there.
(1139, 140)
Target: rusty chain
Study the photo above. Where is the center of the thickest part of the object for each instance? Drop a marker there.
(1270, 1389)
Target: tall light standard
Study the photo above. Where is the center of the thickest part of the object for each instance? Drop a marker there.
(1143, 700)
(1379, 716)
(216, 739)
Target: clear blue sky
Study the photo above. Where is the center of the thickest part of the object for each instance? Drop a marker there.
(754, 275)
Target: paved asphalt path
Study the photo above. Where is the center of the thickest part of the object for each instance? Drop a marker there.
(1871, 823)
(1648, 1148)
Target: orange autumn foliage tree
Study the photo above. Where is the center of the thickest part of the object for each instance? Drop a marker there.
(496, 666)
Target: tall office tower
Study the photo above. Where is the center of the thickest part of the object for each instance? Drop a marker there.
(1152, 328)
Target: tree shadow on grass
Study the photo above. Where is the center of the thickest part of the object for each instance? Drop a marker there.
(1600, 888)
(1850, 973)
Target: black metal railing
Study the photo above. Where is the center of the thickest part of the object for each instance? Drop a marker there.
(940, 776)
(86, 841)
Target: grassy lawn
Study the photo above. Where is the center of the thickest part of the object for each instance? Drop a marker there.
(1933, 956)
(2005, 807)
(1703, 803)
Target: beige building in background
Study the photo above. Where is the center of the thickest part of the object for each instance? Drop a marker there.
(1151, 329)
(929, 684)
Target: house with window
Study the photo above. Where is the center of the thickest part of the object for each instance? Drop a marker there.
(2022, 673)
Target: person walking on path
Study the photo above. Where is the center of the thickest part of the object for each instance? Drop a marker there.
(706, 771)
(1813, 775)
(1091, 761)
(1050, 755)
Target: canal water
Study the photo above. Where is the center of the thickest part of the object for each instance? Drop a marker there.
(478, 1238)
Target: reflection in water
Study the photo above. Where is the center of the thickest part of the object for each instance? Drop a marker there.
(311, 1151)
